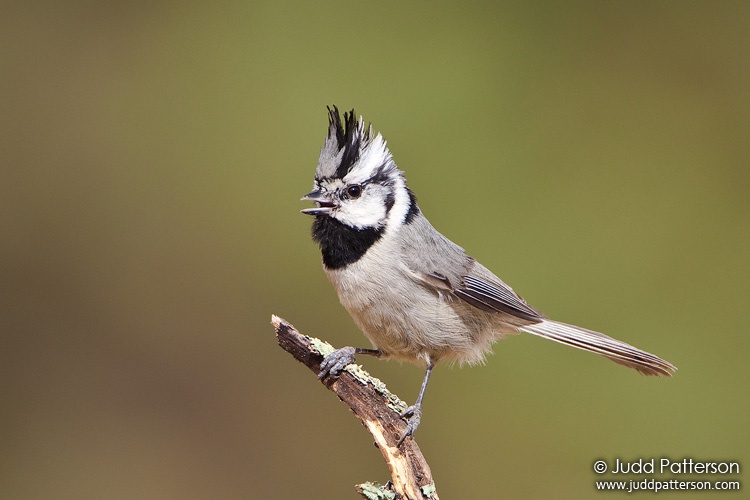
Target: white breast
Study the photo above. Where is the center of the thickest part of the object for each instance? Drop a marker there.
(405, 319)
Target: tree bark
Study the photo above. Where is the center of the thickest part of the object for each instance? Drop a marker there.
(379, 411)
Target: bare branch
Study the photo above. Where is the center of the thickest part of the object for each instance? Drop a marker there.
(379, 411)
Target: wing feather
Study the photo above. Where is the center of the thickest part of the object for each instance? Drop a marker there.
(495, 296)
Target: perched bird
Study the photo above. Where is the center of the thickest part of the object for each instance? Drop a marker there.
(415, 294)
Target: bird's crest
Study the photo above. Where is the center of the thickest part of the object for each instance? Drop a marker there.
(350, 146)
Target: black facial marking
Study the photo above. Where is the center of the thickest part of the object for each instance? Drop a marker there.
(340, 244)
(390, 200)
(383, 175)
(413, 207)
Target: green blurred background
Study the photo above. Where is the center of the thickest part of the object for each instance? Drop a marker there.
(595, 155)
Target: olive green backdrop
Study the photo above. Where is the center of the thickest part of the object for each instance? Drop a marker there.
(595, 155)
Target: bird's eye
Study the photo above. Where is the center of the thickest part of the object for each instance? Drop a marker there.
(354, 191)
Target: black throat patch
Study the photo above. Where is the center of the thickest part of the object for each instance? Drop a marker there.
(340, 244)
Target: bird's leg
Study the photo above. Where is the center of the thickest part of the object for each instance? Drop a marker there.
(414, 413)
(336, 361)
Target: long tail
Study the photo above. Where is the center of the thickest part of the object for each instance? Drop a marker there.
(588, 340)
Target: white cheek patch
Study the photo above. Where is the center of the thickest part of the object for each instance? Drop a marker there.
(365, 212)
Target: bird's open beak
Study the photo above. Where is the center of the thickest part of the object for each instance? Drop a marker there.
(325, 205)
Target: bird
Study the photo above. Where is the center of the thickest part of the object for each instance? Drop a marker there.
(417, 296)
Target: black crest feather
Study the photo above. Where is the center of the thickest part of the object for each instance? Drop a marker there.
(349, 134)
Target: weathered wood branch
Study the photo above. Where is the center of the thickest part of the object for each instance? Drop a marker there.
(377, 408)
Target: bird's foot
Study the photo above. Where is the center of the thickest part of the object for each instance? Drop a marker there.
(336, 361)
(413, 414)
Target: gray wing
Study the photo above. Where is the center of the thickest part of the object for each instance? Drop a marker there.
(493, 295)
(442, 264)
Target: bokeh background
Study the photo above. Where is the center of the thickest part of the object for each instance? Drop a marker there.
(594, 154)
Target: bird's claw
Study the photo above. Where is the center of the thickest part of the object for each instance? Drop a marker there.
(336, 361)
(413, 414)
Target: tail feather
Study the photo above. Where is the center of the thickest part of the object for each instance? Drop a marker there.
(589, 340)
